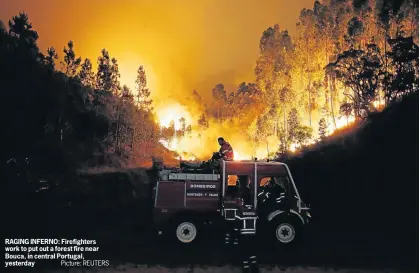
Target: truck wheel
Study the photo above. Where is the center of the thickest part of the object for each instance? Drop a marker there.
(286, 231)
(186, 232)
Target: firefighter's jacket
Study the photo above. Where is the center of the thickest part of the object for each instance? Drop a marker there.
(226, 151)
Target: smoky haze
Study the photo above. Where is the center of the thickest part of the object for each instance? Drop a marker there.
(184, 45)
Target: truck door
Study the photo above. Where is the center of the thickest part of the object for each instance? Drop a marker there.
(238, 186)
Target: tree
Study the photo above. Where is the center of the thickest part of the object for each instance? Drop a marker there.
(284, 141)
(219, 95)
(123, 120)
(107, 77)
(115, 77)
(303, 134)
(188, 130)
(183, 124)
(168, 133)
(143, 93)
(307, 58)
(104, 74)
(362, 72)
(86, 75)
(355, 30)
(404, 77)
(71, 63)
(203, 123)
(345, 110)
(322, 131)
(22, 34)
(49, 59)
(292, 125)
(273, 75)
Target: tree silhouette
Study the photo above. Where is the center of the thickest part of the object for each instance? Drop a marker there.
(202, 122)
(86, 75)
(219, 95)
(104, 74)
(345, 110)
(25, 37)
(322, 131)
(71, 63)
(49, 59)
(292, 125)
(143, 93)
(303, 134)
(404, 57)
(362, 72)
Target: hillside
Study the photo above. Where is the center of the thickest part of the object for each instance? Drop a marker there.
(363, 184)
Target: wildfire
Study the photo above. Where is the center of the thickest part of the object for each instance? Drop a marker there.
(340, 122)
(239, 156)
(199, 144)
(172, 113)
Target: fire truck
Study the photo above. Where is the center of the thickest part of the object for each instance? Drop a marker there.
(248, 194)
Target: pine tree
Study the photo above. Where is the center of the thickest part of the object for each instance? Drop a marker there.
(322, 130)
(86, 75)
(115, 77)
(143, 93)
(104, 74)
(71, 63)
(49, 59)
(22, 34)
(108, 75)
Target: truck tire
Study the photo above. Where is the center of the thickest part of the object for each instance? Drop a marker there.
(184, 231)
(286, 231)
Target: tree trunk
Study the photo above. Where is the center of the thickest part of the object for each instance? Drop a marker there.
(310, 106)
(285, 122)
(276, 127)
(117, 133)
(332, 89)
(386, 66)
(310, 103)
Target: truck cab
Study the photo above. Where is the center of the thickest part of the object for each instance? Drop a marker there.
(246, 194)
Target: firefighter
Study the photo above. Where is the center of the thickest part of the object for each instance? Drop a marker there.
(247, 243)
(226, 151)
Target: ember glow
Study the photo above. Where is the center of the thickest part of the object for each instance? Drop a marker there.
(172, 113)
(200, 145)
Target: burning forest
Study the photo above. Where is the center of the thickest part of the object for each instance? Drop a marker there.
(338, 68)
(345, 60)
(95, 98)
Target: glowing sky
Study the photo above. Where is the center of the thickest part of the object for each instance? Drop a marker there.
(183, 44)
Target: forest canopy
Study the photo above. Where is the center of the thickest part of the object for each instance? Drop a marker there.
(347, 60)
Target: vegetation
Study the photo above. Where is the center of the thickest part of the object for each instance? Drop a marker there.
(361, 179)
(346, 58)
(70, 116)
